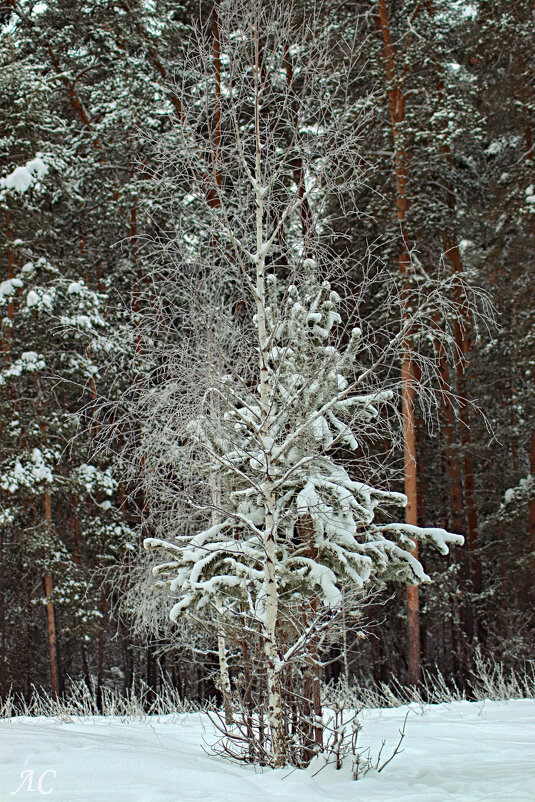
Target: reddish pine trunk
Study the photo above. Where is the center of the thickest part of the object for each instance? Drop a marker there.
(455, 493)
(461, 336)
(462, 344)
(396, 101)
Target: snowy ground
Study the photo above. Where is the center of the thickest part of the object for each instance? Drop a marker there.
(470, 752)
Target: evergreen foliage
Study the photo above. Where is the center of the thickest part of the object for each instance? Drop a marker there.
(86, 88)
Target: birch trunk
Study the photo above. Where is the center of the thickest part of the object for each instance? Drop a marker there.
(224, 676)
(270, 585)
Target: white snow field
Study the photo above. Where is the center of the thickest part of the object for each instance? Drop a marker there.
(465, 751)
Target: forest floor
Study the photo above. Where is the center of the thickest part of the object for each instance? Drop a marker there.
(464, 751)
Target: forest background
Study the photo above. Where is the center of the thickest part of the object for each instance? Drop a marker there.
(449, 159)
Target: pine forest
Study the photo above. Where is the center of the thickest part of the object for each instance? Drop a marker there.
(267, 353)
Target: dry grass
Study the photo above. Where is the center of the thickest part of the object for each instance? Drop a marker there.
(138, 704)
(489, 680)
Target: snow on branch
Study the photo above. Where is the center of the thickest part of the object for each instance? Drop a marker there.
(22, 178)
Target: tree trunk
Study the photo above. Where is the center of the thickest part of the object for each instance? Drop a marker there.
(461, 336)
(270, 583)
(85, 666)
(6, 336)
(455, 492)
(411, 514)
(215, 489)
(224, 677)
(531, 540)
(248, 698)
(50, 610)
(3, 662)
(100, 670)
(396, 102)
(532, 509)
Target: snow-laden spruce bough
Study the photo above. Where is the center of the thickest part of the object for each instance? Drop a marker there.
(297, 536)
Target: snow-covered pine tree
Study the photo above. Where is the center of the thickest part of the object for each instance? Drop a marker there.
(58, 522)
(298, 536)
(285, 400)
(327, 534)
(76, 81)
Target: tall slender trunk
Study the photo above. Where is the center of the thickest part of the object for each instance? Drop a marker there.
(461, 334)
(531, 543)
(305, 212)
(51, 621)
(224, 675)
(248, 696)
(270, 583)
(455, 494)
(47, 579)
(76, 557)
(7, 322)
(316, 697)
(530, 149)
(3, 662)
(87, 672)
(101, 630)
(411, 514)
(6, 333)
(215, 488)
(312, 707)
(396, 102)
